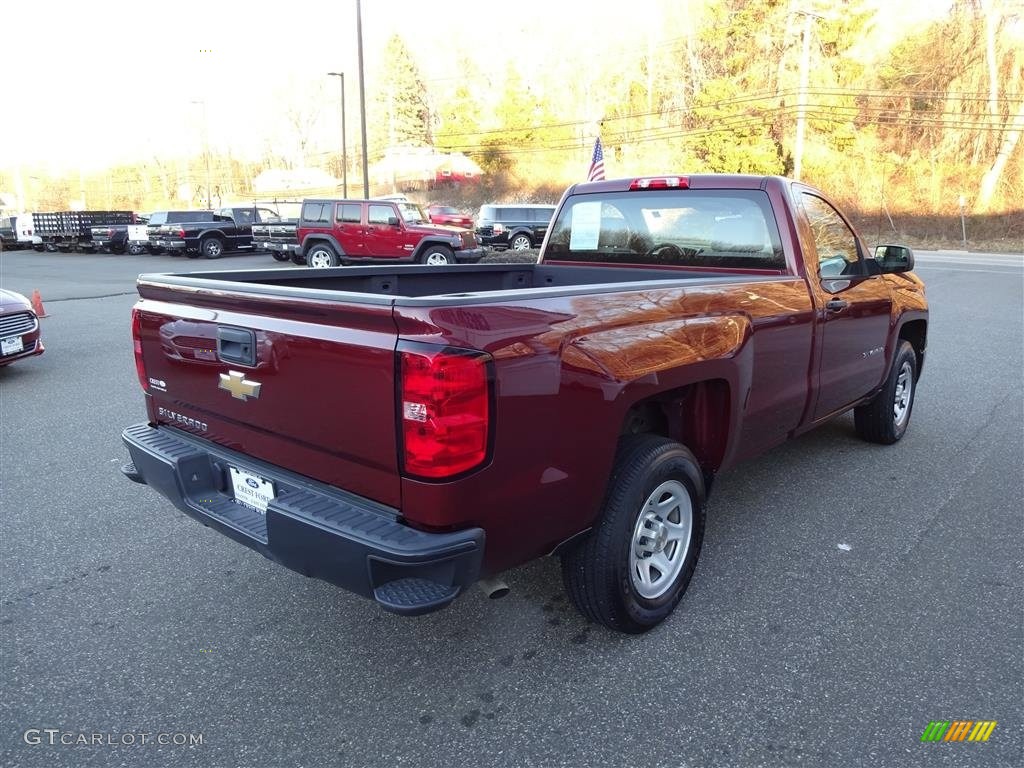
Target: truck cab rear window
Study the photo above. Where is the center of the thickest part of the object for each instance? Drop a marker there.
(699, 228)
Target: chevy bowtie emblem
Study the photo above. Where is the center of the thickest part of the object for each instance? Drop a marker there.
(239, 386)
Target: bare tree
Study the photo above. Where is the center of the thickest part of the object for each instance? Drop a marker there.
(990, 180)
(303, 116)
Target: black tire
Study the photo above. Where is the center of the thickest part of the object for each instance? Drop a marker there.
(134, 249)
(520, 242)
(436, 255)
(322, 256)
(597, 572)
(298, 258)
(212, 248)
(280, 255)
(877, 420)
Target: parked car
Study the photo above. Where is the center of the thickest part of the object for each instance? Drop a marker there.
(513, 226)
(19, 328)
(446, 214)
(210, 234)
(402, 432)
(334, 232)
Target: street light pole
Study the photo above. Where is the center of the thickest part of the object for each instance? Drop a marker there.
(344, 152)
(362, 98)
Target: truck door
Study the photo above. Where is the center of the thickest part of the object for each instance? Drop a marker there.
(855, 309)
(384, 239)
(244, 218)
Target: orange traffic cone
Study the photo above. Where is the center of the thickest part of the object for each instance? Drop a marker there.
(37, 304)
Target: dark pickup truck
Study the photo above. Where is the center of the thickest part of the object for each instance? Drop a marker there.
(228, 229)
(121, 238)
(278, 239)
(404, 432)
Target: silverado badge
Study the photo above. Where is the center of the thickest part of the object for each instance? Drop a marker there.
(239, 386)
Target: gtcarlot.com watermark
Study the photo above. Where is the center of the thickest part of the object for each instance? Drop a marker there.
(57, 737)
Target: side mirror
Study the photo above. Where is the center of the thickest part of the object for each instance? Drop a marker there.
(393, 221)
(894, 258)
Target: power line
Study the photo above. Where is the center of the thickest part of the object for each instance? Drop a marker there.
(960, 96)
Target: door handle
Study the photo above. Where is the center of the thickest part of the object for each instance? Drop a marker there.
(236, 345)
(836, 305)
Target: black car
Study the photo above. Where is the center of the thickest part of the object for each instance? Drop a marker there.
(517, 227)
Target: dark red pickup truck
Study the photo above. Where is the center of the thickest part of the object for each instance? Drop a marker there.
(405, 431)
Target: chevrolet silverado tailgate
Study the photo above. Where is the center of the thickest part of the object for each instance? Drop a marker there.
(304, 384)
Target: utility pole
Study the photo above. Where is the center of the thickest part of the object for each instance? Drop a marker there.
(206, 154)
(344, 152)
(362, 97)
(801, 114)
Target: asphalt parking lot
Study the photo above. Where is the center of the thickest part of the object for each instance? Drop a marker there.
(119, 615)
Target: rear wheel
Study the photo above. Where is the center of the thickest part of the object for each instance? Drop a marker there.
(212, 248)
(886, 417)
(280, 255)
(322, 256)
(632, 569)
(520, 242)
(134, 248)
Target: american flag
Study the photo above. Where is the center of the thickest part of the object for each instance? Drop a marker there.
(596, 172)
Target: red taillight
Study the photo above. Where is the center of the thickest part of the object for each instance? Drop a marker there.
(661, 182)
(181, 233)
(140, 366)
(445, 410)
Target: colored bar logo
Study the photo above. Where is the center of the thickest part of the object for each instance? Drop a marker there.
(959, 730)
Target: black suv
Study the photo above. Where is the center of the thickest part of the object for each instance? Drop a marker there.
(513, 226)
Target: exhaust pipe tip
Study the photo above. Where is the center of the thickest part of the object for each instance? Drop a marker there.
(493, 588)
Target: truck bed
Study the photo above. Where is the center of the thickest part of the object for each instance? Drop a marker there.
(416, 285)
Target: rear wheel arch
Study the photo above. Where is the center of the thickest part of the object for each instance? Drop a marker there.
(692, 415)
(312, 240)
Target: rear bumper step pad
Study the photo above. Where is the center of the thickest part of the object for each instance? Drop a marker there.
(309, 527)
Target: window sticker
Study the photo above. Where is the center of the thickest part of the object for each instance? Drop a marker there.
(585, 226)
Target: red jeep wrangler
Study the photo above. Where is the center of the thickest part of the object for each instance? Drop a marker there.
(335, 232)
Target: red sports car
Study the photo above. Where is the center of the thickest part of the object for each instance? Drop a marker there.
(19, 328)
(445, 214)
